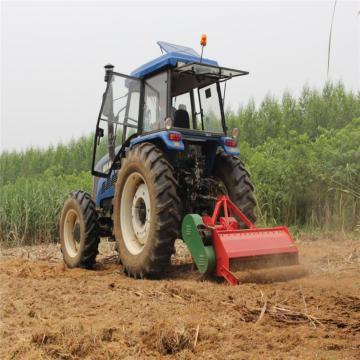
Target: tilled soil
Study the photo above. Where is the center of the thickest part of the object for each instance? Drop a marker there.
(50, 312)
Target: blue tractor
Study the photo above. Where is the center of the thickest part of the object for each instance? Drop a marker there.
(161, 150)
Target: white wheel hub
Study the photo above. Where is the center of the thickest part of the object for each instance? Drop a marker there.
(135, 213)
(72, 233)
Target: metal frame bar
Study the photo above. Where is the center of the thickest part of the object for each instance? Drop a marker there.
(141, 108)
(193, 110)
(119, 123)
(242, 72)
(201, 109)
(223, 201)
(168, 94)
(223, 122)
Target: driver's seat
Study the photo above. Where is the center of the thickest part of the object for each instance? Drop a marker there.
(181, 119)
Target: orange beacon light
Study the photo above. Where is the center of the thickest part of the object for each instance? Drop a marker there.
(203, 40)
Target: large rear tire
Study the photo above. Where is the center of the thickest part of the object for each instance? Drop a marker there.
(231, 171)
(146, 212)
(79, 233)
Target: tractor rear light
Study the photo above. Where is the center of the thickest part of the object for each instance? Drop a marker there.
(230, 142)
(174, 136)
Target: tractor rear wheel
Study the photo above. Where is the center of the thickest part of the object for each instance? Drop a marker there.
(231, 171)
(79, 233)
(146, 213)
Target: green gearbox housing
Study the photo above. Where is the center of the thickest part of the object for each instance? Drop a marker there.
(203, 255)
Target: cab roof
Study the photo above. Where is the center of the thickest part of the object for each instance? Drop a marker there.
(174, 54)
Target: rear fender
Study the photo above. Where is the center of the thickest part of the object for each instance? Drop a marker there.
(162, 137)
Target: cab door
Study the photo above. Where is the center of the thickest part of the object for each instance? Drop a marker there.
(118, 119)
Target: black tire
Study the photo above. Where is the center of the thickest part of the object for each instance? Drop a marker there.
(79, 233)
(233, 174)
(150, 257)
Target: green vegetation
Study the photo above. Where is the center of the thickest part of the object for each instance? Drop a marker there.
(314, 183)
(30, 207)
(60, 160)
(303, 155)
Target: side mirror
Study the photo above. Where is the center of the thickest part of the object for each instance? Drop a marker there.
(99, 134)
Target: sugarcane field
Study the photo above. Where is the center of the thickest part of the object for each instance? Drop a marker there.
(180, 181)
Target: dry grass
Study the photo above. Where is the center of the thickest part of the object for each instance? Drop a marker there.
(171, 336)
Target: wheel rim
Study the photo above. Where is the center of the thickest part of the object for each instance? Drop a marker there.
(135, 213)
(72, 233)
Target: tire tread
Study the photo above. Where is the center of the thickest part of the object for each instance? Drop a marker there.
(237, 180)
(91, 232)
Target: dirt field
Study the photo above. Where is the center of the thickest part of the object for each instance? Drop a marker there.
(49, 312)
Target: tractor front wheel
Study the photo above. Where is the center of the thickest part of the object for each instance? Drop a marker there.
(79, 235)
(146, 212)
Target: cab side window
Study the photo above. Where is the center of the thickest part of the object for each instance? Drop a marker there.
(155, 102)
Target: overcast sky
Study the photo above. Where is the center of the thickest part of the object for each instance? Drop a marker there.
(53, 53)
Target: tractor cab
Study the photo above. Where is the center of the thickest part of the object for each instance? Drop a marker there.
(175, 97)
